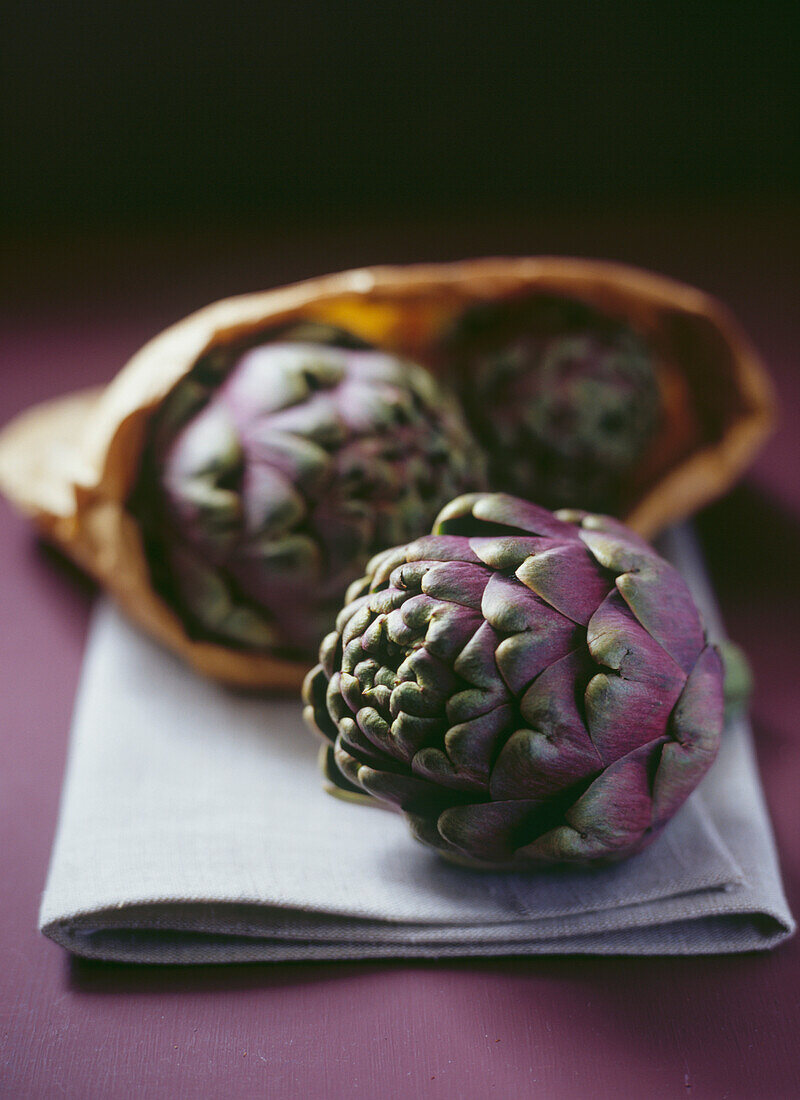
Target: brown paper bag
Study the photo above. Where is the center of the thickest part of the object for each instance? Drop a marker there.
(71, 463)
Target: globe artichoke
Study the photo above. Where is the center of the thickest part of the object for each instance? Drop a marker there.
(271, 476)
(528, 688)
(564, 399)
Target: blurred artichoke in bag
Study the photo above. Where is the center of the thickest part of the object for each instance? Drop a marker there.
(271, 476)
(181, 557)
(526, 687)
(564, 398)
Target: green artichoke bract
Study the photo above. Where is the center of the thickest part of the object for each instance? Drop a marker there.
(274, 473)
(564, 399)
(526, 687)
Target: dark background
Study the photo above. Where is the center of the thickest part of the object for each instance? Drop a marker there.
(205, 113)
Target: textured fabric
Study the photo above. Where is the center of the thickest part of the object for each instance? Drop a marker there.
(194, 829)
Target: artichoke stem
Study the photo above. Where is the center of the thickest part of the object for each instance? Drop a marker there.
(738, 685)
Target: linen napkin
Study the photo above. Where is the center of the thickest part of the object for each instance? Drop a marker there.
(194, 829)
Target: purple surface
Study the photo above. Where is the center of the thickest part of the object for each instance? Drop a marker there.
(719, 1027)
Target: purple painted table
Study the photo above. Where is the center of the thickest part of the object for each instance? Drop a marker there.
(718, 1027)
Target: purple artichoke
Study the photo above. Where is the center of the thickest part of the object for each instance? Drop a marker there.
(564, 399)
(273, 474)
(527, 688)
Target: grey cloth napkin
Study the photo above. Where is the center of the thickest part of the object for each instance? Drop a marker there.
(194, 829)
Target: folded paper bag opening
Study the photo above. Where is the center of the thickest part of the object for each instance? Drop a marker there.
(194, 829)
(73, 464)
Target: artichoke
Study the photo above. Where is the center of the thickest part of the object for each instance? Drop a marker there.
(564, 398)
(274, 473)
(527, 687)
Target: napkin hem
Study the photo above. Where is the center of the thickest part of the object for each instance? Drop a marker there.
(725, 934)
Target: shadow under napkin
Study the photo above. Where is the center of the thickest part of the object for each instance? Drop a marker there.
(194, 829)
